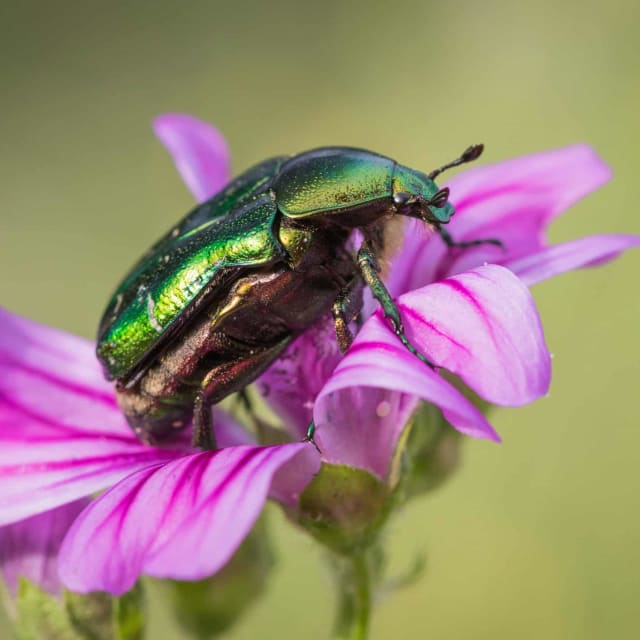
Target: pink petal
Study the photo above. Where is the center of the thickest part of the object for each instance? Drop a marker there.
(56, 375)
(481, 325)
(199, 152)
(566, 175)
(29, 549)
(585, 252)
(291, 479)
(181, 520)
(363, 409)
(291, 384)
(39, 474)
(52, 352)
(513, 201)
(62, 435)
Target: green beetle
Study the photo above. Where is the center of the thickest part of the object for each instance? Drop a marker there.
(217, 299)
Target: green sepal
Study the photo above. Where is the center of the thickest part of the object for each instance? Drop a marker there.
(91, 615)
(41, 616)
(209, 608)
(433, 451)
(344, 508)
(95, 616)
(129, 614)
(433, 448)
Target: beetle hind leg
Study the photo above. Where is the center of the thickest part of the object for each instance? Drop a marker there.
(203, 434)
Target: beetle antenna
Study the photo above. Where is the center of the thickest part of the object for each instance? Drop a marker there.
(469, 155)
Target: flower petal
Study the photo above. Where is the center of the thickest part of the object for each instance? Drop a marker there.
(292, 478)
(181, 520)
(199, 152)
(566, 175)
(585, 252)
(29, 548)
(291, 385)
(62, 435)
(481, 325)
(365, 406)
(56, 376)
(39, 474)
(513, 201)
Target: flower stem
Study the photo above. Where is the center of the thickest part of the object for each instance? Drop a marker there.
(354, 611)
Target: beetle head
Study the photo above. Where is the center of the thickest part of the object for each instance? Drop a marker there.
(416, 195)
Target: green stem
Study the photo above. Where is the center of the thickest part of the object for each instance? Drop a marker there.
(354, 611)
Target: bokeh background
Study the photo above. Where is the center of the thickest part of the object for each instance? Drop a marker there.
(536, 538)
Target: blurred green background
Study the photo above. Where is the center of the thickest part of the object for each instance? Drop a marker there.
(536, 538)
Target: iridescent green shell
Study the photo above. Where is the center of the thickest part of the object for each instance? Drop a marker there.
(205, 250)
(330, 179)
(198, 260)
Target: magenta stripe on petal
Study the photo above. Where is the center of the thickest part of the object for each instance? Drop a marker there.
(199, 152)
(363, 408)
(291, 384)
(566, 175)
(29, 548)
(54, 378)
(482, 325)
(69, 359)
(182, 520)
(513, 201)
(28, 488)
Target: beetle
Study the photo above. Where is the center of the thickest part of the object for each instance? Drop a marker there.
(219, 297)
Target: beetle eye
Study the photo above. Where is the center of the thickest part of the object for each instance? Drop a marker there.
(401, 198)
(440, 199)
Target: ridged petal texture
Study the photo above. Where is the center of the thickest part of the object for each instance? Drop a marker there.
(513, 201)
(62, 435)
(481, 325)
(179, 520)
(29, 548)
(173, 512)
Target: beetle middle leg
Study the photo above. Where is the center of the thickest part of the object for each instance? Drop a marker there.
(451, 243)
(370, 272)
(225, 376)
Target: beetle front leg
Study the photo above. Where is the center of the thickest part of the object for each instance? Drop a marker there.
(451, 243)
(369, 269)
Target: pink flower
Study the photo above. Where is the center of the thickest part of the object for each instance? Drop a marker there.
(62, 437)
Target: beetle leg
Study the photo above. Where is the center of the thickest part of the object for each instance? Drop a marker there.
(345, 309)
(340, 321)
(451, 243)
(203, 435)
(311, 429)
(368, 264)
(230, 376)
(262, 427)
(244, 400)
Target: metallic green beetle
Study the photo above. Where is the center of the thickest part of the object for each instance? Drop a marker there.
(215, 301)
